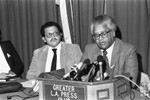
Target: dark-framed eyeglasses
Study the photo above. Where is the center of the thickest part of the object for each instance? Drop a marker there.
(102, 35)
(55, 34)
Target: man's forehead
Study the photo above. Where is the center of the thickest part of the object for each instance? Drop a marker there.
(100, 28)
(51, 29)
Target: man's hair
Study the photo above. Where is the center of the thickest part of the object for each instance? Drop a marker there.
(49, 24)
(104, 20)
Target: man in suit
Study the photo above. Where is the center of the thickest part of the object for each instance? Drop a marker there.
(67, 54)
(11, 63)
(121, 56)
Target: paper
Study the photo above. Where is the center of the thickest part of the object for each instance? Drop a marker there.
(6, 75)
(28, 84)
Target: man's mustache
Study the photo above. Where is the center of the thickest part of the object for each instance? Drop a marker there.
(53, 39)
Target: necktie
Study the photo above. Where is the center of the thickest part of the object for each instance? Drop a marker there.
(53, 66)
(105, 58)
(109, 70)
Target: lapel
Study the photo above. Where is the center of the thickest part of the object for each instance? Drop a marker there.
(63, 55)
(115, 53)
(114, 59)
(43, 58)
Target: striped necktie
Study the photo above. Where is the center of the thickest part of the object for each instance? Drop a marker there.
(105, 58)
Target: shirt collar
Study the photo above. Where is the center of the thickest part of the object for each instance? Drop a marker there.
(109, 49)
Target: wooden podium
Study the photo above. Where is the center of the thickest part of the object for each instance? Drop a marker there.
(53, 89)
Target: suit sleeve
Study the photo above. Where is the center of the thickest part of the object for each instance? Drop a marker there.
(32, 72)
(86, 54)
(73, 56)
(131, 63)
(78, 53)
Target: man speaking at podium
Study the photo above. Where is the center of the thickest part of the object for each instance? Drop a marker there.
(63, 55)
(120, 57)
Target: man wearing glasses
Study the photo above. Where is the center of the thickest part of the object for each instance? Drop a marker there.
(67, 54)
(121, 56)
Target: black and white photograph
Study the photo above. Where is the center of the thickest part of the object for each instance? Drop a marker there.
(74, 49)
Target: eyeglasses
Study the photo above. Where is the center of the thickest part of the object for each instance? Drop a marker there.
(49, 35)
(103, 35)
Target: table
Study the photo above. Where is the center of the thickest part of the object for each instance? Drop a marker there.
(22, 93)
(4, 96)
(135, 95)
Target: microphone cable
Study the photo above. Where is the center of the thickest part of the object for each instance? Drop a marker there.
(132, 83)
(131, 92)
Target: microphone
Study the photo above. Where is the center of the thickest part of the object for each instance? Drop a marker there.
(100, 75)
(70, 75)
(79, 72)
(90, 75)
(93, 70)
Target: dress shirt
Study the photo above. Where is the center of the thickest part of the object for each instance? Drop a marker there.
(109, 53)
(50, 57)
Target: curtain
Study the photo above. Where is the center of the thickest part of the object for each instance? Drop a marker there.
(83, 12)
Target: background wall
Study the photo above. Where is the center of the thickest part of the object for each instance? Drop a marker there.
(20, 22)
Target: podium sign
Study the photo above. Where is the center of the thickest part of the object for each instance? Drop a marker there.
(51, 89)
(63, 92)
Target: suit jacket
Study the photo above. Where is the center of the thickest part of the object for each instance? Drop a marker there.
(70, 54)
(12, 57)
(124, 58)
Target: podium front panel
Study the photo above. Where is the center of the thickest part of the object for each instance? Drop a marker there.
(51, 89)
(101, 91)
(62, 90)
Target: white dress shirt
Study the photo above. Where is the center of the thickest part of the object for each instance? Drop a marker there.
(109, 53)
(50, 57)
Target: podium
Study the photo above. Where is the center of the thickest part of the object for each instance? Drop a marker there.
(53, 89)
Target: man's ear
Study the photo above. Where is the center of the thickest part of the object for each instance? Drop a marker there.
(61, 34)
(114, 33)
(43, 38)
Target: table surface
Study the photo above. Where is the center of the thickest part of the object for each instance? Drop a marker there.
(135, 95)
(15, 96)
(4, 96)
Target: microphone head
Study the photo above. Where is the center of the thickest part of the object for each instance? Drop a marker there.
(80, 72)
(86, 61)
(85, 64)
(100, 58)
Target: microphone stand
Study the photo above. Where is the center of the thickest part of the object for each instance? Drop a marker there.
(89, 76)
(101, 71)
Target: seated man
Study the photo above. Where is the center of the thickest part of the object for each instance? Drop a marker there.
(11, 63)
(120, 57)
(67, 54)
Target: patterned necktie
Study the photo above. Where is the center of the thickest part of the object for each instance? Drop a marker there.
(53, 66)
(109, 70)
(105, 58)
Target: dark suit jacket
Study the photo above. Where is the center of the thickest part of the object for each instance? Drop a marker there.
(12, 57)
(124, 58)
(70, 54)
